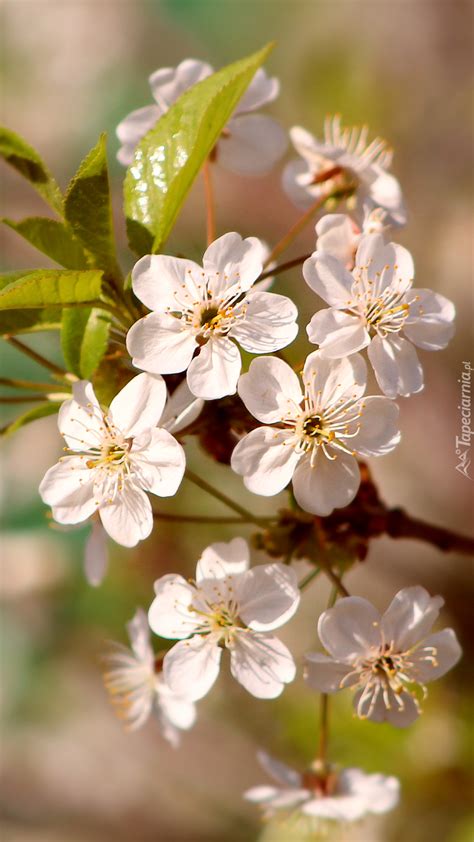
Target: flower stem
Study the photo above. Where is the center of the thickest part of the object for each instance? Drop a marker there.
(303, 221)
(309, 578)
(327, 569)
(248, 516)
(38, 358)
(22, 398)
(29, 384)
(284, 267)
(321, 757)
(210, 204)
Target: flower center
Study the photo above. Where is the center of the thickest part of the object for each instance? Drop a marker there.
(217, 617)
(321, 785)
(112, 455)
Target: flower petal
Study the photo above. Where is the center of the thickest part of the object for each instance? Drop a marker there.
(266, 460)
(401, 710)
(437, 654)
(268, 596)
(380, 792)
(131, 130)
(262, 90)
(163, 282)
(96, 556)
(329, 380)
(389, 263)
(329, 279)
(410, 616)
(338, 334)
(168, 83)
(215, 371)
(128, 519)
(68, 487)
(336, 235)
(234, 260)
(270, 390)
(350, 628)
(296, 181)
(158, 344)
(170, 615)
(326, 485)
(191, 667)
(223, 559)
(385, 192)
(324, 674)
(430, 323)
(139, 405)
(253, 145)
(181, 410)
(161, 464)
(81, 420)
(269, 323)
(280, 772)
(396, 366)
(378, 433)
(262, 664)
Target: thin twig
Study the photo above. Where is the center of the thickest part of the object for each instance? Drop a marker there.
(38, 358)
(210, 204)
(231, 504)
(196, 518)
(29, 384)
(284, 267)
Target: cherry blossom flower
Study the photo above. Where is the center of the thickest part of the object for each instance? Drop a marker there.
(229, 607)
(343, 796)
(339, 235)
(316, 434)
(210, 309)
(343, 159)
(116, 457)
(372, 306)
(250, 144)
(388, 659)
(134, 680)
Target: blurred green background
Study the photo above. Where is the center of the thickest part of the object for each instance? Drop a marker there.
(69, 70)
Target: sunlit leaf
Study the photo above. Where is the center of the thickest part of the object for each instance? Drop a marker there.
(84, 339)
(53, 238)
(169, 157)
(23, 158)
(49, 287)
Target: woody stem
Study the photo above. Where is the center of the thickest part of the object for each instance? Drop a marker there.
(231, 504)
(210, 204)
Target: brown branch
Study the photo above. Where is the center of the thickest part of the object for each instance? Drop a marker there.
(398, 524)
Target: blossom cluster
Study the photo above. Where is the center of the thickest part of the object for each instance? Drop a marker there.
(310, 427)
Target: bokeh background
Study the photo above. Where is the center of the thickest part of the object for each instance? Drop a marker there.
(71, 68)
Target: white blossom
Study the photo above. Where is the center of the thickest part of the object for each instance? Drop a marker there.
(228, 607)
(210, 309)
(134, 680)
(316, 433)
(114, 458)
(339, 235)
(388, 659)
(343, 158)
(250, 143)
(342, 796)
(372, 306)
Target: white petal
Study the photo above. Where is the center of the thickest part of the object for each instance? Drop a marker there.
(396, 366)
(81, 420)
(270, 390)
(179, 710)
(269, 323)
(170, 615)
(260, 794)
(447, 653)
(401, 712)
(266, 460)
(379, 432)
(191, 667)
(430, 323)
(96, 557)
(350, 628)
(253, 146)
(262, 90)
(128, 519)
(296, 182)
(280, 772)
(69, 488)
(392, 262)
(158, 344)
(268, 596)
(410, 616)
(380, 793)
(324, 674)
(135, 126)
(161, 464)
(328, 484)
(262, 664)
(329, 279)
(336, 235)
(223, 559)
(181, 410)
(385, 192)
(163, 282)
(237, 259)
(139, 405)
(339, 808)
(337, 333)
(330, 380)
(215, 371)
(168, 83)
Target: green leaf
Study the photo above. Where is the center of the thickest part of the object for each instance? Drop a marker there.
(23, 158)
(39, 411)
(89, 212)
(84, 339)
(169, 157)
(26, 321)
(50, 287)
(53, 238)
